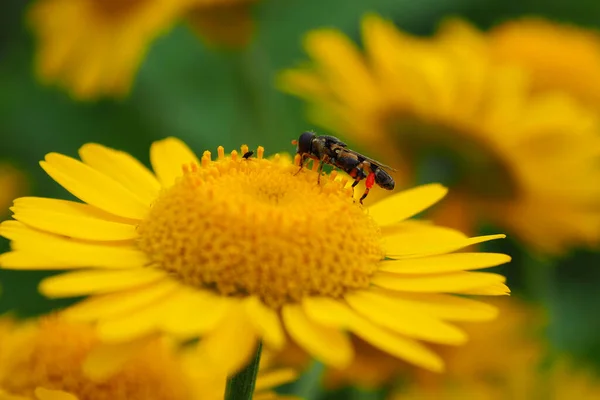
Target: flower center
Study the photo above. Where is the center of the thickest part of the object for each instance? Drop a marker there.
(255, 227)
(454, 158)
(51, 355)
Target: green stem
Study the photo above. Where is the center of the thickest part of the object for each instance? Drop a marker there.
(241, 385)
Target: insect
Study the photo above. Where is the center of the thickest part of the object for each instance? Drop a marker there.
(332, 151)
(248, 154)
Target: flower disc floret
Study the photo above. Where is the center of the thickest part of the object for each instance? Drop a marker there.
(252, 227)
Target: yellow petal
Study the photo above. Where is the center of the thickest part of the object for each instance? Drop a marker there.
(421, 227)
(70, 207)
(444, 263)
(93, 187)
(266, 322)
(325, 343)
(332, 312)
(25, 260)
(444, 306)
(404, 246)
(106, 359)
(123, 168)
(406, 204)
(69, 253)
(231, 344)
(46, 394)
(271, 379)
(80, 283)
(398, 346)
(401, 318)
(168, 156)
(352, 79)
(411, 237)
(326, 311)
(195, 314)
(122, 303)
(445, 283)
(76, 223)
(207, 384)
(139, 323)
(497, 289)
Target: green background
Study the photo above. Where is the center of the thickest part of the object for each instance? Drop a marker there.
(210, 98)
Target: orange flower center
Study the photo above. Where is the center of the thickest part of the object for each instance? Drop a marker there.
(255, 227)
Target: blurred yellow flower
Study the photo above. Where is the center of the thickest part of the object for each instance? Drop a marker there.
(94, 48)
(53, 359)
(12, 184)
(238, 250)
(504, 360)
(48, 361)
(558, 56)
(567, 380)
(527, 162)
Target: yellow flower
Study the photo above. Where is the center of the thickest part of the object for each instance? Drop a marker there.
(503, 360)
(42, 360)
(558, 56)
(52, 359)
(566, 380)
(238, 250)
(525, 161)
(94, 48)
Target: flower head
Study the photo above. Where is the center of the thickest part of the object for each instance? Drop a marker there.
(38, 360)
(557, 56)
(236, 250)
(94, 48)
(524, 161)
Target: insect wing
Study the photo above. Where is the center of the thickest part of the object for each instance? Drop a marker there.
(365, 158)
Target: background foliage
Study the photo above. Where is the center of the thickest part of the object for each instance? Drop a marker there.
(210, 98)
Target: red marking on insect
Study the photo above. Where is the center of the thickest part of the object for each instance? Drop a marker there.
(370, 181)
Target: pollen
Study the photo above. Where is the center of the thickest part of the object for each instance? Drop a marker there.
(50, 354)
(248, 225)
